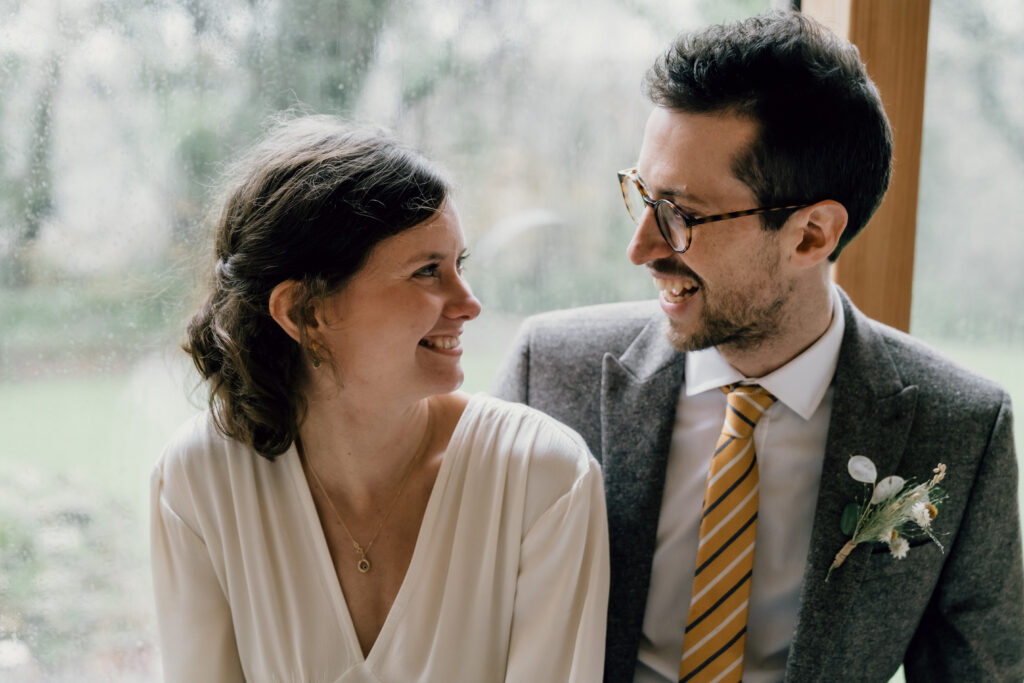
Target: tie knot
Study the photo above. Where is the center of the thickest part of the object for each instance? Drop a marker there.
(747, 404)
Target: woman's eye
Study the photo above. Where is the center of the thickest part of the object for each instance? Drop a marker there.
(428, 271)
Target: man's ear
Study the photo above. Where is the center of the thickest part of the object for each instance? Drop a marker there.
(283, 299)
(819, 227)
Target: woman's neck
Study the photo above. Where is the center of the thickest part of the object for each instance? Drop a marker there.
(360, 450)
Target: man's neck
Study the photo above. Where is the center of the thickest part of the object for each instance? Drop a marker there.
(802, 324)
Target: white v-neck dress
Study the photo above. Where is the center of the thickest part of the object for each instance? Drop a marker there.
(508, 580)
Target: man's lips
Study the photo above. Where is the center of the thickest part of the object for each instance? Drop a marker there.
(675, 282)
(675, 291)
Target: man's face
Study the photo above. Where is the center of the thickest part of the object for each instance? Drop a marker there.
(728, 289)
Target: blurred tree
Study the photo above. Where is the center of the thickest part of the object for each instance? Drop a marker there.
(995, 67)
(967, 277)
(303, 54)
(33, 189)
(8, 68)
(313, 52)
(29, 195)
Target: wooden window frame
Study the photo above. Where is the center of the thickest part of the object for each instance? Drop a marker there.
(877, 268)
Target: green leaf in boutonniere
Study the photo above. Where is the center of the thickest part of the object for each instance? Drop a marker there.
(848, 523)
(893, 509)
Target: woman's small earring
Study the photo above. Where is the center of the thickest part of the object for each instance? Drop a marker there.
(316, 362)
(315, 356)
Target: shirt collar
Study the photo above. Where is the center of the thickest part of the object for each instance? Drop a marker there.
(800, 384)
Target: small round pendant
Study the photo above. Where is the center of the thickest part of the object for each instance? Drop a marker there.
(363, 565)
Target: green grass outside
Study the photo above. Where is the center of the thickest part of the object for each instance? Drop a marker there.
(66, 425)
(103, 433)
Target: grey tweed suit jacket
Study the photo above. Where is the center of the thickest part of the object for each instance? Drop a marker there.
(608, 372)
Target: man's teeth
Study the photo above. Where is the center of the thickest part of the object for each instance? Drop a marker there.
(441, 342)
(674, 291)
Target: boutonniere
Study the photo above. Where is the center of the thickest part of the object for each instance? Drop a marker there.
(894, 510)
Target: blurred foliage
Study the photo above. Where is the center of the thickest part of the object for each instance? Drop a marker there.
(968, 282)
(117, 118)
(86, 326)
(71, 593)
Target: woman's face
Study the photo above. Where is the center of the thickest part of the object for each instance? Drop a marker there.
(396, 326)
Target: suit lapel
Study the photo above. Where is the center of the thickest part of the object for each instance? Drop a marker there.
(639, 394)
(872, 412)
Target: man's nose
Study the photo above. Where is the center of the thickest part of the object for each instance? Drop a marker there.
(647, 244)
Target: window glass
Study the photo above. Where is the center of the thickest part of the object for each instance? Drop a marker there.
(115, 119)
(968, 280)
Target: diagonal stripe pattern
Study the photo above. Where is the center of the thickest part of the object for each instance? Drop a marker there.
(716, 627)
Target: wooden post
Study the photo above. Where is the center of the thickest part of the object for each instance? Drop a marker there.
(877, 268)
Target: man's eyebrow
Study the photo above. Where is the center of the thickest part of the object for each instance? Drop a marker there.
(674, 195)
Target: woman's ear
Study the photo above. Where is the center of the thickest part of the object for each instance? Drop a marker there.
(282, 308)
(820, 226)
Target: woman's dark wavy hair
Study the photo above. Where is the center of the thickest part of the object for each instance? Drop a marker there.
(308, 203)
(822, 130)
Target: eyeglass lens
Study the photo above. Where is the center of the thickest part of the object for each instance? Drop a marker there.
(670, 224)
(634, 200)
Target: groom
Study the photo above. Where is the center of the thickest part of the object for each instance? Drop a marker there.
(767, 151)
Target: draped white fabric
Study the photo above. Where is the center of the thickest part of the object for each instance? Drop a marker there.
(508, 581)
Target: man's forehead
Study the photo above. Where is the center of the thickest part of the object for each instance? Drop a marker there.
(690, 156)
(716, 133)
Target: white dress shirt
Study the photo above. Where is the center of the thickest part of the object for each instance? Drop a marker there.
(790, 444)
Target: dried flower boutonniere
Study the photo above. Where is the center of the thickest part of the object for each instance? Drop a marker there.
(894, 510)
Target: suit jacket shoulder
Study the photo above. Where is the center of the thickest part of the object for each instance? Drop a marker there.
(603, 328)
(936, 375)
(555, 363)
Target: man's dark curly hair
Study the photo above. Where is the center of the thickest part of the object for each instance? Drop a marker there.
(822, 131)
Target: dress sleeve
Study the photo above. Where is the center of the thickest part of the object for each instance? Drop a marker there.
(197, 639)
(561, 603)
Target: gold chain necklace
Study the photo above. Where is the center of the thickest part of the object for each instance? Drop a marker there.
(363, 564)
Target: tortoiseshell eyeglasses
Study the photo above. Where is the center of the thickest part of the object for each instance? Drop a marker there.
(674, 225)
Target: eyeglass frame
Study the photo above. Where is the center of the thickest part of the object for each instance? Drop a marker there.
(630, 175)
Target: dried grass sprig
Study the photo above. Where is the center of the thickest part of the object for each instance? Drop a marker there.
(894, 509)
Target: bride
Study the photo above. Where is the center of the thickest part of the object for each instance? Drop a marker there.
(341, 512)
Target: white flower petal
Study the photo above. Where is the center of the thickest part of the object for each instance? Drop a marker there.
(862, 469)
(899, 548)
(887, 488)
(921, 515)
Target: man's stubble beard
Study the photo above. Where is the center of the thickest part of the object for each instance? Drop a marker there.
(734, 321)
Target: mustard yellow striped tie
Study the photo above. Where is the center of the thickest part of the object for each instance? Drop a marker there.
(716, 627)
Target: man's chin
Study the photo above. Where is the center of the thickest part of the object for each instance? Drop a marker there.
(684, 341)
(733, 338)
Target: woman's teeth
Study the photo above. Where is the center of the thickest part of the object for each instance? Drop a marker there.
(440, 342)
(675, 291)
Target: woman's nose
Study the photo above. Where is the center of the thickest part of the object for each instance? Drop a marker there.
(462, 303)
